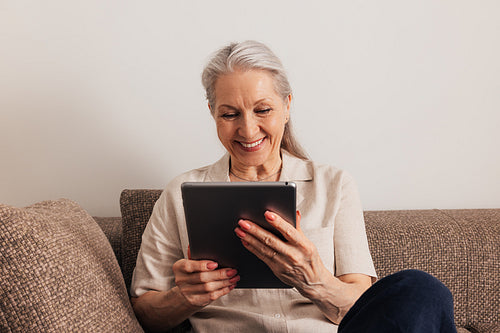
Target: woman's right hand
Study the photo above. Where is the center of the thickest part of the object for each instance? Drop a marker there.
(200, 282)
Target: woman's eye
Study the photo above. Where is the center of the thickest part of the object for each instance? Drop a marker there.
(263, 111)
(229, 115)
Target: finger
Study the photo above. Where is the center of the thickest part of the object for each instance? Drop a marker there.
(264, 253)
(193, 266)
(256, 235)
(267, 245)
(207, 281)
(284, 227)
(203, 294)
(189, 252)
(217, 275)
(297, 220)
(219, 291)
(226, 276)
(216, 294)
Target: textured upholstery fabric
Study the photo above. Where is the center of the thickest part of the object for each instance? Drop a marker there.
(459, 247)
(481, 232)
(58, 273)
(136, 207)
(112, 228)
(462, 330)
(425, 240)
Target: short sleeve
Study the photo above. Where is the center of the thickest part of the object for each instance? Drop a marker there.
(160, 248)
(352, 254)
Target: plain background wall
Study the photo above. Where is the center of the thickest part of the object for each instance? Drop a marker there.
(99, 96)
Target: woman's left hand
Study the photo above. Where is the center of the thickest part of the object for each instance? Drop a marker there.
(295, 262)
(298, 264)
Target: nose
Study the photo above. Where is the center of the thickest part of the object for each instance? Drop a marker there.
(248, 126)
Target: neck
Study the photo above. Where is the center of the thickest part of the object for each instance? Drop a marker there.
(254, 174)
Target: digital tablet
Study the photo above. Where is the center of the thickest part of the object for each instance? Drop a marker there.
(212, 213)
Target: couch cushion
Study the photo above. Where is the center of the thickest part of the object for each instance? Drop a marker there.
(459, 247)
(112, 228)
(421, 239)
(136, 207)
(59, 273)
(481, 230)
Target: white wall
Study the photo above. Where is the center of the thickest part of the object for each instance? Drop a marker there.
(99, 96)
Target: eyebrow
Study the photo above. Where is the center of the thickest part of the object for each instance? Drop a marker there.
(228, 107)
(237, 109)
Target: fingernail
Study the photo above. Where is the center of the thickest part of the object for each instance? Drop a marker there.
(239, 232)
(244, 225)
(231, 272)
(244, 242)
(235, 279)
(212, 265)
(271, 216)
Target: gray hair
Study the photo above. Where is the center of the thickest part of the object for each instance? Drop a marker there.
(250, 55)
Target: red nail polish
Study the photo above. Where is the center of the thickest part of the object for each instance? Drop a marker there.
(235, 279)
(239, 232)
(271, 216)
(231, 272)
(244, 225)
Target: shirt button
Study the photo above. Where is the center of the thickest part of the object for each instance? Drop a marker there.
(277, 315)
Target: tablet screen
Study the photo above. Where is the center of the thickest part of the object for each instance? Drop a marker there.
(212, 213)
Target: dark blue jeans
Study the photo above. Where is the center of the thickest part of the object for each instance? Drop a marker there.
(409, 301)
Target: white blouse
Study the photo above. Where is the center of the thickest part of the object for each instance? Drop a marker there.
(332, 218)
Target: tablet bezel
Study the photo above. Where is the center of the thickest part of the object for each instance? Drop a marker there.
(224, 204)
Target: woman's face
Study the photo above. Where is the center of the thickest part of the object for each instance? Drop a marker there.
(250, 118)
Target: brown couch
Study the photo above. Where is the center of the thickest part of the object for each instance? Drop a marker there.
(58, 272)
(460, 247)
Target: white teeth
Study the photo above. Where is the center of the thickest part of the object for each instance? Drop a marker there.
(251, 145)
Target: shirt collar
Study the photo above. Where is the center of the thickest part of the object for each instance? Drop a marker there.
(293, 169)
(219, 171)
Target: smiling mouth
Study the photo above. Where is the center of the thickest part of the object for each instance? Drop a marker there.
(251, 144)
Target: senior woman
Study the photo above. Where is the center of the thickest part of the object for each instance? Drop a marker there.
(326, 257)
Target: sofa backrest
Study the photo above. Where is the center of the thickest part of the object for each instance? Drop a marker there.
(459, 247)
(136, 207)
